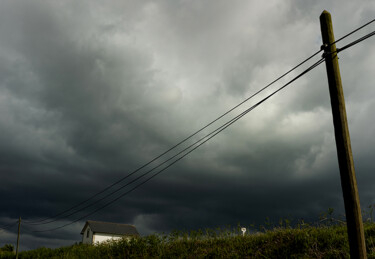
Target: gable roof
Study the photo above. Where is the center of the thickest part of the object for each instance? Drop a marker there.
(110, 228)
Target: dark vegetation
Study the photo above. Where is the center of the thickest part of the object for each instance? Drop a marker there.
(7, 251)
(299, 242)
(326, 239)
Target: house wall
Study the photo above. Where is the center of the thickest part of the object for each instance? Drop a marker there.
(89, 239)
(101, 237)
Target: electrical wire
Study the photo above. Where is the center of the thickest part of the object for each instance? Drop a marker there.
(217, 131)
(326, 53)
(134, 180)
(129, 183)
(356, 42)
(4, 227)
(56, 216)
(38, 222)
(350, 33)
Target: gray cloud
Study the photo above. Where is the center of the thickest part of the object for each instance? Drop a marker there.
(90, 92)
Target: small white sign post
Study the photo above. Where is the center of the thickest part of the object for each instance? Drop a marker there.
(243, 231)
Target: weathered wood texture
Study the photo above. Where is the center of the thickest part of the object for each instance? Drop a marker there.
(344, 151)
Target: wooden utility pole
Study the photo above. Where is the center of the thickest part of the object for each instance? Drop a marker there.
(18, 236)
(344, 151)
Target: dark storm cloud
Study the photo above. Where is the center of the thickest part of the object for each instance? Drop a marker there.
(90, 92)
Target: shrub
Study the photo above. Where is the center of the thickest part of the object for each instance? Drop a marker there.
(279, 242)
(7, 248)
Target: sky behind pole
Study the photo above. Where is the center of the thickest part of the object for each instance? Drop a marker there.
(91, 91)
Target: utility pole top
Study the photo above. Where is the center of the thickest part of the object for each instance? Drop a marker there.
(327, 30)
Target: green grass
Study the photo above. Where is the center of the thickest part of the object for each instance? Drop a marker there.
(303, 241)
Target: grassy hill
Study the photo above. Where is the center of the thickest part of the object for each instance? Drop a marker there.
(303, 241)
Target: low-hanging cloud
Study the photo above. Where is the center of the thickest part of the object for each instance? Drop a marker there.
(90, 92)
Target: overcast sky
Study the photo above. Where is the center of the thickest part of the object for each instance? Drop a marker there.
(89, 92)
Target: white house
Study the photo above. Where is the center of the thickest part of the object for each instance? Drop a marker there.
(96, 232)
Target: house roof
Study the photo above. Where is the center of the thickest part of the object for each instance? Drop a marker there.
(110, 228)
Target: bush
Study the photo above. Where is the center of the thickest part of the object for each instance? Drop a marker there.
(7, 248)
(284, 242)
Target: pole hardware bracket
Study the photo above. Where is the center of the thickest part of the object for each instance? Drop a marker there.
(325, 48)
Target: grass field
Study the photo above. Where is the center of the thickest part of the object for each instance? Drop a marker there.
(302, 241)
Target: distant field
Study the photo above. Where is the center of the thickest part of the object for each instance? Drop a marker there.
(303, 241)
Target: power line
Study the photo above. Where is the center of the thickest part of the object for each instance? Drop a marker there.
(356, 42)
(217, 131)
(38, 222)
(153, 160)
(139, 177)
(4, 227)
(350, 33)
(348, 45)
(134, 180)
